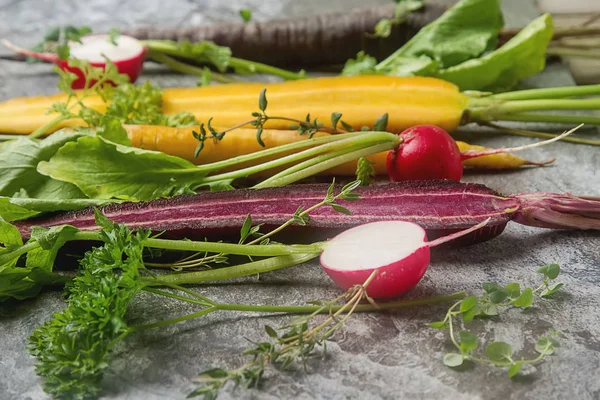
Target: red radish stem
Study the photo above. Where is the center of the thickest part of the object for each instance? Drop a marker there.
(440, 207)
(394, 255)
(127, 55)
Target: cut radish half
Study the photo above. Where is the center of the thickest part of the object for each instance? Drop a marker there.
(127, 55)
(398, 250)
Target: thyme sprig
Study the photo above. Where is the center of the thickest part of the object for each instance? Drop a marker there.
(295, 344)
(309, 126)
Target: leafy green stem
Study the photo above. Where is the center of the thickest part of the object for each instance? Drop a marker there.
(42, 130)
(363, 140)
(526, 133)
(171, 48)
(350, 155)
(546, 93)
(186, 68)
(219, 274)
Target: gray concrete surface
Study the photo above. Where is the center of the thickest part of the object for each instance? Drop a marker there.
(390, 355)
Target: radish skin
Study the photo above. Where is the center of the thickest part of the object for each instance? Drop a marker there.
(397, 250)
(127, 55)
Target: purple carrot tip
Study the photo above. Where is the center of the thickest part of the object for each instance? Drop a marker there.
(558, 211)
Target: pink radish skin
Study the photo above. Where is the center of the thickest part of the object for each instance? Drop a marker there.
(426, 152)
(398, 250)
(127, 55)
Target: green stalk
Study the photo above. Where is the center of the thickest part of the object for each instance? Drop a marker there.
(519, 106)
(548, 118)
(230, 248)
(542, 135)
(42, 130)
(392, 305)
(568, 51)
(220, 274)
(170, 48)
(188, 245)
(218, 165)
(356, 140)
(324, 166)
(314, 161)
(186, 68)
(547, 93)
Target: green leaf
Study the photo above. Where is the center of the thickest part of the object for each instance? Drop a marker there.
(10, 239)
(335, 118)
(112, 130)
(546, 345)
(466, 30)
(552, 289)
(262, 100)
(499, 351)
(341, 209)
(412, 66)
(489, 309)
(522, 56)
(13, 212)
(514, 369)
(453, 359)
(439, 325)
(17, 208)
(365, 171)
(513, 289)
(271, 332)
(550, 271)
(246, 14)
(362, 65)
(19, 160)
(498, 296)
(245, 230)
(469, 308)
(490, 287)
(50, 240)
(104, 170)
(207, 52)
(381, 123)
(47, 238)
(383, 28)
(468, 342)
(525, 300)
(102, 221)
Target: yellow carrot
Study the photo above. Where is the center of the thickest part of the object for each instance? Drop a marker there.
(180, 142)
(361, 100)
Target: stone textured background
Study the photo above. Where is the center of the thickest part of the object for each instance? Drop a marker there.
(390, 355)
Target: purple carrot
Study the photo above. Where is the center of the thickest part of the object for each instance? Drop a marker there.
(440, 207)
(314, 40)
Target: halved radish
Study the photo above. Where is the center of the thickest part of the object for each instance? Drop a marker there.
(127, 55)
(398, 250)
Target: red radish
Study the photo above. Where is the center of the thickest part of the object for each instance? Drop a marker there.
(398, 250)
(127, 55)
(427, 152)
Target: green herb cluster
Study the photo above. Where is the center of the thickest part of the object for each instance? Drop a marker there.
(460, 47)
(498, 297)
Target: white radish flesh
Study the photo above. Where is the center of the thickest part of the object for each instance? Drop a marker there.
(398, 250)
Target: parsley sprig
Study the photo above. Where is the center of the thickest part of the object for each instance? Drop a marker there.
(127, 103)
